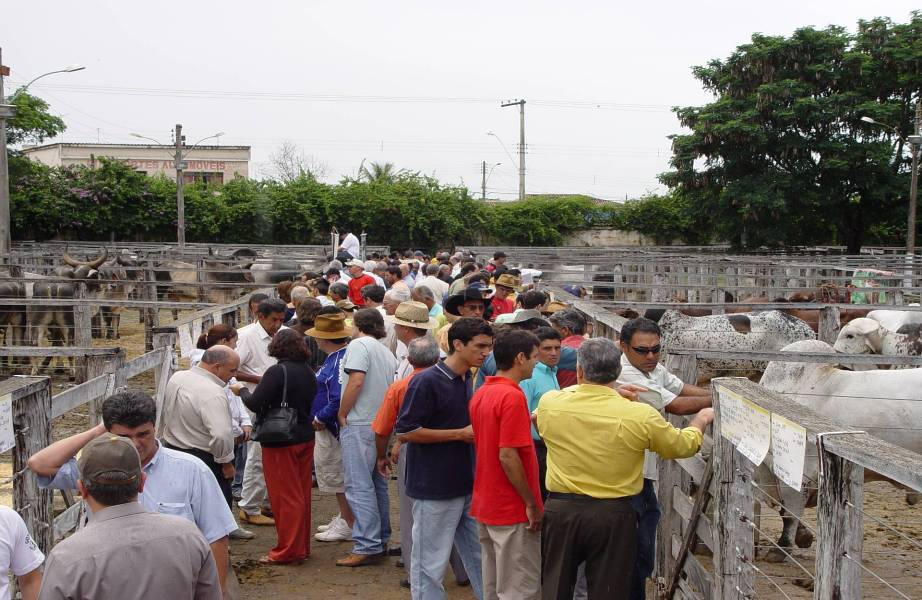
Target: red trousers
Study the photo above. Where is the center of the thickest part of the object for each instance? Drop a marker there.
(288, 480)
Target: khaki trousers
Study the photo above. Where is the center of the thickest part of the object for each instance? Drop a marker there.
(510, 557)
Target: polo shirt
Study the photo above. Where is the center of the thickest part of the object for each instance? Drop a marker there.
(387, 413)
(18, 551)
(437, 398)
(128, 553)
(355, 288)
(596, 440)
(195, 414)
(500, 419)
(543, 379)
(659, 380)
(253, 349)
(501, 307)
(566, 374)
(177, 484)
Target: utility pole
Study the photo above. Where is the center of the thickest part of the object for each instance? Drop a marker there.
(180, 165)
(483, 180)
(521, 105)
(6, 111)
(914, 185)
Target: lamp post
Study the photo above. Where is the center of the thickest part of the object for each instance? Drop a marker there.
(914, 141)
(486, 178)
(7, 111)
(179, 162)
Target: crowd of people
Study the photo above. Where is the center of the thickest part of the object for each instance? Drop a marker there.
(523, 448)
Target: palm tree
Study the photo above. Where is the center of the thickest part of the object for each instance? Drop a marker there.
(379, 173)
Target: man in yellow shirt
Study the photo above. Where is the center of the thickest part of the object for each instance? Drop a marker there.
(595, 452)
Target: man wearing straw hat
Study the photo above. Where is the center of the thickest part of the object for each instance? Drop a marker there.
(502, 302)
(126, 552)
(410, 321)
(332, 334)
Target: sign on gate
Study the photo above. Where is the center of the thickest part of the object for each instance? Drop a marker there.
(789, 449)
(7, 440)
(746, 425)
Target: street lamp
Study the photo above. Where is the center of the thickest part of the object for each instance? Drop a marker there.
(914, 141)
(179, 162)
(498, 139)
(6, 112)
(486, 177)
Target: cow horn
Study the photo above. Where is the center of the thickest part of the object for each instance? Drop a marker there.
(97, 262)
(68, 260)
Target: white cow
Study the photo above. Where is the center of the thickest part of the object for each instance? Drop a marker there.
(868, 336)
(894, 319)
(770, 330)
(882, 403)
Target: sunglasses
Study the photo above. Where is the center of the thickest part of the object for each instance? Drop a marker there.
(644, 350)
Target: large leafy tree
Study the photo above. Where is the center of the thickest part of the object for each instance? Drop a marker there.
(32, 122)
(781, 156)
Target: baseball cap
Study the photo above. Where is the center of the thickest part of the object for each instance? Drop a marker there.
(109, 453)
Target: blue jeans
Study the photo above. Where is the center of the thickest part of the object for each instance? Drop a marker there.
(240, 463)
(366, 490)
(437, 524)
(648, 514)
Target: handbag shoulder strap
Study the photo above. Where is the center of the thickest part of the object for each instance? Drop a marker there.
(284, 386)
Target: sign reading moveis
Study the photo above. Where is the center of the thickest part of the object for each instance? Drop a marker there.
(166, 165)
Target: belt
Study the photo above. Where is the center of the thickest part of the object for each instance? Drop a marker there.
(584, 498)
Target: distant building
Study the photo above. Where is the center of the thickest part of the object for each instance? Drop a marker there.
(211, 164)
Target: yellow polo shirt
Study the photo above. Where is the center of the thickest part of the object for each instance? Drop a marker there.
(596, 440)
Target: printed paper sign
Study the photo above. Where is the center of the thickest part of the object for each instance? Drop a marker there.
(7, 440)
(185, 341)
(217, 318)
(789, 449)
(746, 425)
(196, 330)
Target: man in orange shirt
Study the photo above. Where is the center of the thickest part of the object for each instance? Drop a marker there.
(423, 352)
(359, 280)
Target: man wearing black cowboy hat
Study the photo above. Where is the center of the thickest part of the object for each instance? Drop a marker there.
(474, 301)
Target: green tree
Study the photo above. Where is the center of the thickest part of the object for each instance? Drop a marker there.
(32, 122)
(781, 156)
(379, 172)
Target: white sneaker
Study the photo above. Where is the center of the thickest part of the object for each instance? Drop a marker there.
(337, 532)
(330, 524)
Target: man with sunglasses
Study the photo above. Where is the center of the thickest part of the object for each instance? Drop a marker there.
(641, 350)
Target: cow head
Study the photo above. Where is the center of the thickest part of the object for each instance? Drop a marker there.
(860, 336)
(88, 269)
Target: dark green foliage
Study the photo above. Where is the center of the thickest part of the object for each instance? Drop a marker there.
(32, 122)
(782, 157)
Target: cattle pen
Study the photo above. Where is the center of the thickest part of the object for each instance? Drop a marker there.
(718, 527)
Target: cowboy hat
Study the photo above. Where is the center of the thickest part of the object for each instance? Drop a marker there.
(553, 307)
(452, 303)
(330, 327)
(412, 314)
(509, 281)
(524, 315)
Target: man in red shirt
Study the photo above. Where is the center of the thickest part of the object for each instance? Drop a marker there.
(502, 303)
(359, 280)
(507, 498)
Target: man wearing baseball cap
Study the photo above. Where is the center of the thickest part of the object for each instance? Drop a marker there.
(124, 551)
(359, 280)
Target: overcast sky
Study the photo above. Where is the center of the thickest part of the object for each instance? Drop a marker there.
(415, 83)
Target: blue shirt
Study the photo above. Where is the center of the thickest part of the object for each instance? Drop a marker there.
(177, 484)
(543, 379)
(437, 398)
(325, 407)
(567, 361)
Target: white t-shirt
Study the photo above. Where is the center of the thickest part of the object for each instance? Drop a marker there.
(18, 551)
(368, 355)
(659, 380)
(350, 244)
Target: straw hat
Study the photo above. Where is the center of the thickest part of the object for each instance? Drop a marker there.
(330, 327)
(345, 304)
(553, 307)
(509, 281)
(412, 314)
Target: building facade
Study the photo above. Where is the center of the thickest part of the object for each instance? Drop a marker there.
(211, 164)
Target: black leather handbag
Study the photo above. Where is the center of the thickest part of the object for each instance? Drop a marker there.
(276, 424)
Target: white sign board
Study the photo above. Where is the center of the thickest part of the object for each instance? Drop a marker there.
(746, 425)
(789, 449)
(185, 341)
(7, 440)
(217, 318)
(196, 330)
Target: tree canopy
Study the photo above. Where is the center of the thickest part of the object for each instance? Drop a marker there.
(32, 122)
(781, 156)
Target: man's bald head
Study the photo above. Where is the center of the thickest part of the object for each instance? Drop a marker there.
(221, 361)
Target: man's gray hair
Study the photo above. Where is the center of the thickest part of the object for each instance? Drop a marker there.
(381, 266)
(218, 355)
(401, 294)
(570, 318)
(340, 289)
(423, 352)
(370, 265)
(298, 294)
(335, 264)
(600, 360)
(423, 291)
(432, 270)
